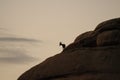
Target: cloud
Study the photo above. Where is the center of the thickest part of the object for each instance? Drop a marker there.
(15, 56)
(14, 39)
(2, 28)
(17, 51)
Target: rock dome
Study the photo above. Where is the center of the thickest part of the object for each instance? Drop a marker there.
(94, 55)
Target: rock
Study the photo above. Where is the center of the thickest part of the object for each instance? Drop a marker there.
(80, 63)
(83, 36)
(94, 55)
(108, 25)
(106, 38)
(83, 40)
(86, 39)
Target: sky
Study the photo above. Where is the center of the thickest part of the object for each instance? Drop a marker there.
(30, 30)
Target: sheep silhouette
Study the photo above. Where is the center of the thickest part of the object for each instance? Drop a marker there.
(63, 45)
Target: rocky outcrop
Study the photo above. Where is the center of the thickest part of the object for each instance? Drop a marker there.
(83, 36)
(108, 38)
(94, 55)
(108, 25)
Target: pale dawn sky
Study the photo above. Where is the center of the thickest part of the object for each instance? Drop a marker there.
(30, 30)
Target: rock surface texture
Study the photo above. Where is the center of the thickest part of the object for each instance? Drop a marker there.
(94, 55)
